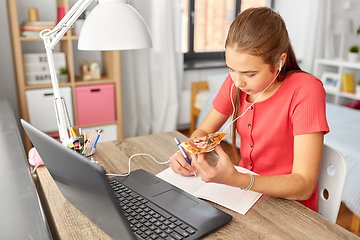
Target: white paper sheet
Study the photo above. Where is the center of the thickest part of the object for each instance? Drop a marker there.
(230, 197)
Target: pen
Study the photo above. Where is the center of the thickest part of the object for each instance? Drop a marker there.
(183, 152)
(95, 142)
(97, 139)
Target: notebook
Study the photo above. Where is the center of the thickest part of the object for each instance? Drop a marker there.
(139, 206)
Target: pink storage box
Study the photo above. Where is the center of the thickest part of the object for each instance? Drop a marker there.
(55, 135)
(95, 104)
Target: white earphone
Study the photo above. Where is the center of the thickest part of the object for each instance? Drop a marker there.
(232, 102)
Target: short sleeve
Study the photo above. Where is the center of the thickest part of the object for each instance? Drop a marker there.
(308, 113)
(223, 100)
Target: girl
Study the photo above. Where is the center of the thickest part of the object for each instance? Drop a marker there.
(279, 113)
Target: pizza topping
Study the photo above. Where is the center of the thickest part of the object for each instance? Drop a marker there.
(205, 143)
(213, 135)
(199, 142)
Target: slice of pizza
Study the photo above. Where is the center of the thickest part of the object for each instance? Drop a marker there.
(203, 144)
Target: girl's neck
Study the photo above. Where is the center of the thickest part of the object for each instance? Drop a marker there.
(268, 93)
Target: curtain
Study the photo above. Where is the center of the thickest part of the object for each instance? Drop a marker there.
(152, 78)
(319, 41)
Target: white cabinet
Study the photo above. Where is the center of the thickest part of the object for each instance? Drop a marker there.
(330, 72)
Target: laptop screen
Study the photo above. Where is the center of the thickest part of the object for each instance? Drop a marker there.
(82, 183)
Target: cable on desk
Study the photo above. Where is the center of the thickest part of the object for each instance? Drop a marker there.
(137, 154)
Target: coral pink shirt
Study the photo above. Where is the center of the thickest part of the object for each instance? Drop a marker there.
(268, 128)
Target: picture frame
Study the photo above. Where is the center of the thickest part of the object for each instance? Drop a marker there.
(331, 81)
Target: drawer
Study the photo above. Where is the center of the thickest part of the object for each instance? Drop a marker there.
(40, 103)
(95, 104)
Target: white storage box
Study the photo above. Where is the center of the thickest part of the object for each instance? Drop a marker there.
(38, 78)
(37, 67)
(59, 57)
(42, 67)
(41, 109)
(108, 132)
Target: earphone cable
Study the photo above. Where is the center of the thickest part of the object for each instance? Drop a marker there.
(233, 105)
(134, 155)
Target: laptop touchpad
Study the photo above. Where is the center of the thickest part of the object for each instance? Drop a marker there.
(175, 200)
(146, 179)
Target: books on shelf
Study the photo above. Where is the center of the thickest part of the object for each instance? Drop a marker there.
(32, 29)
(30, 34)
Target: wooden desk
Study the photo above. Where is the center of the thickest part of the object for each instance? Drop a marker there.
(270, 218)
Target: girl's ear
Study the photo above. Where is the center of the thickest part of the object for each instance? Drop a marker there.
(282, 60)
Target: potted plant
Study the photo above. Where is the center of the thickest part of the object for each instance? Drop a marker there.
(353, 53)
(63, 76)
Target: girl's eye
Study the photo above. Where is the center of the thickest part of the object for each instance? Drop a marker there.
(250, 75)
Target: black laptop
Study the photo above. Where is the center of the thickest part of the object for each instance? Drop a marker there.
(138, 206)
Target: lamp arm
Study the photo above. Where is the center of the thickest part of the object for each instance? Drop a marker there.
(51, 38)
(65, 23)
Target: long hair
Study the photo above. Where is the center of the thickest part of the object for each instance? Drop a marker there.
(261, 32)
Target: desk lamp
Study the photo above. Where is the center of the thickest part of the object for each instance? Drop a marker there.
(343, 27)
(111, 25)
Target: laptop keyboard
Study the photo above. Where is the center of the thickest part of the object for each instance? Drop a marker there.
(146, 219)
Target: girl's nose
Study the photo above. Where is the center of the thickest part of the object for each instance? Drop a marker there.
(239, 83)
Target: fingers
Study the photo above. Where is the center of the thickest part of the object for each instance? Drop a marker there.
(203, 167)
(220, 152)
(222, 173)
(179, 165)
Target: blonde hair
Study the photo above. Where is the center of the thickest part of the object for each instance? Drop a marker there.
(261, 32)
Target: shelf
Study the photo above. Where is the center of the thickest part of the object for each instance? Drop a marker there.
(91, 126)
(66, 37)
(79, 82)
(110, 62)
(48, 85)
(335, 68)
(349, 95)
(331, 91)
(338, 63)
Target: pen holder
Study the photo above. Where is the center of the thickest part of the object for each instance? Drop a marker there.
(90, 145)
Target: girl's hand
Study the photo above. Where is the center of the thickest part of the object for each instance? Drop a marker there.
(179, 165)
(223, 173)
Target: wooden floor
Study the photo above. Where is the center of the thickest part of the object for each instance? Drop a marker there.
(345, 215)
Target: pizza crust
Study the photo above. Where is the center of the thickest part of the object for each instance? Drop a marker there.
(203, 144)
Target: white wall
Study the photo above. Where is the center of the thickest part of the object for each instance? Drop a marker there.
(297, 18)
(347, 9)
(295, 14)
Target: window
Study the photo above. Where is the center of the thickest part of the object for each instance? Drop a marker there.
(205, 24)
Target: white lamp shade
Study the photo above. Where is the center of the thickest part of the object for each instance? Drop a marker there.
(114, 25)
(344, 26)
